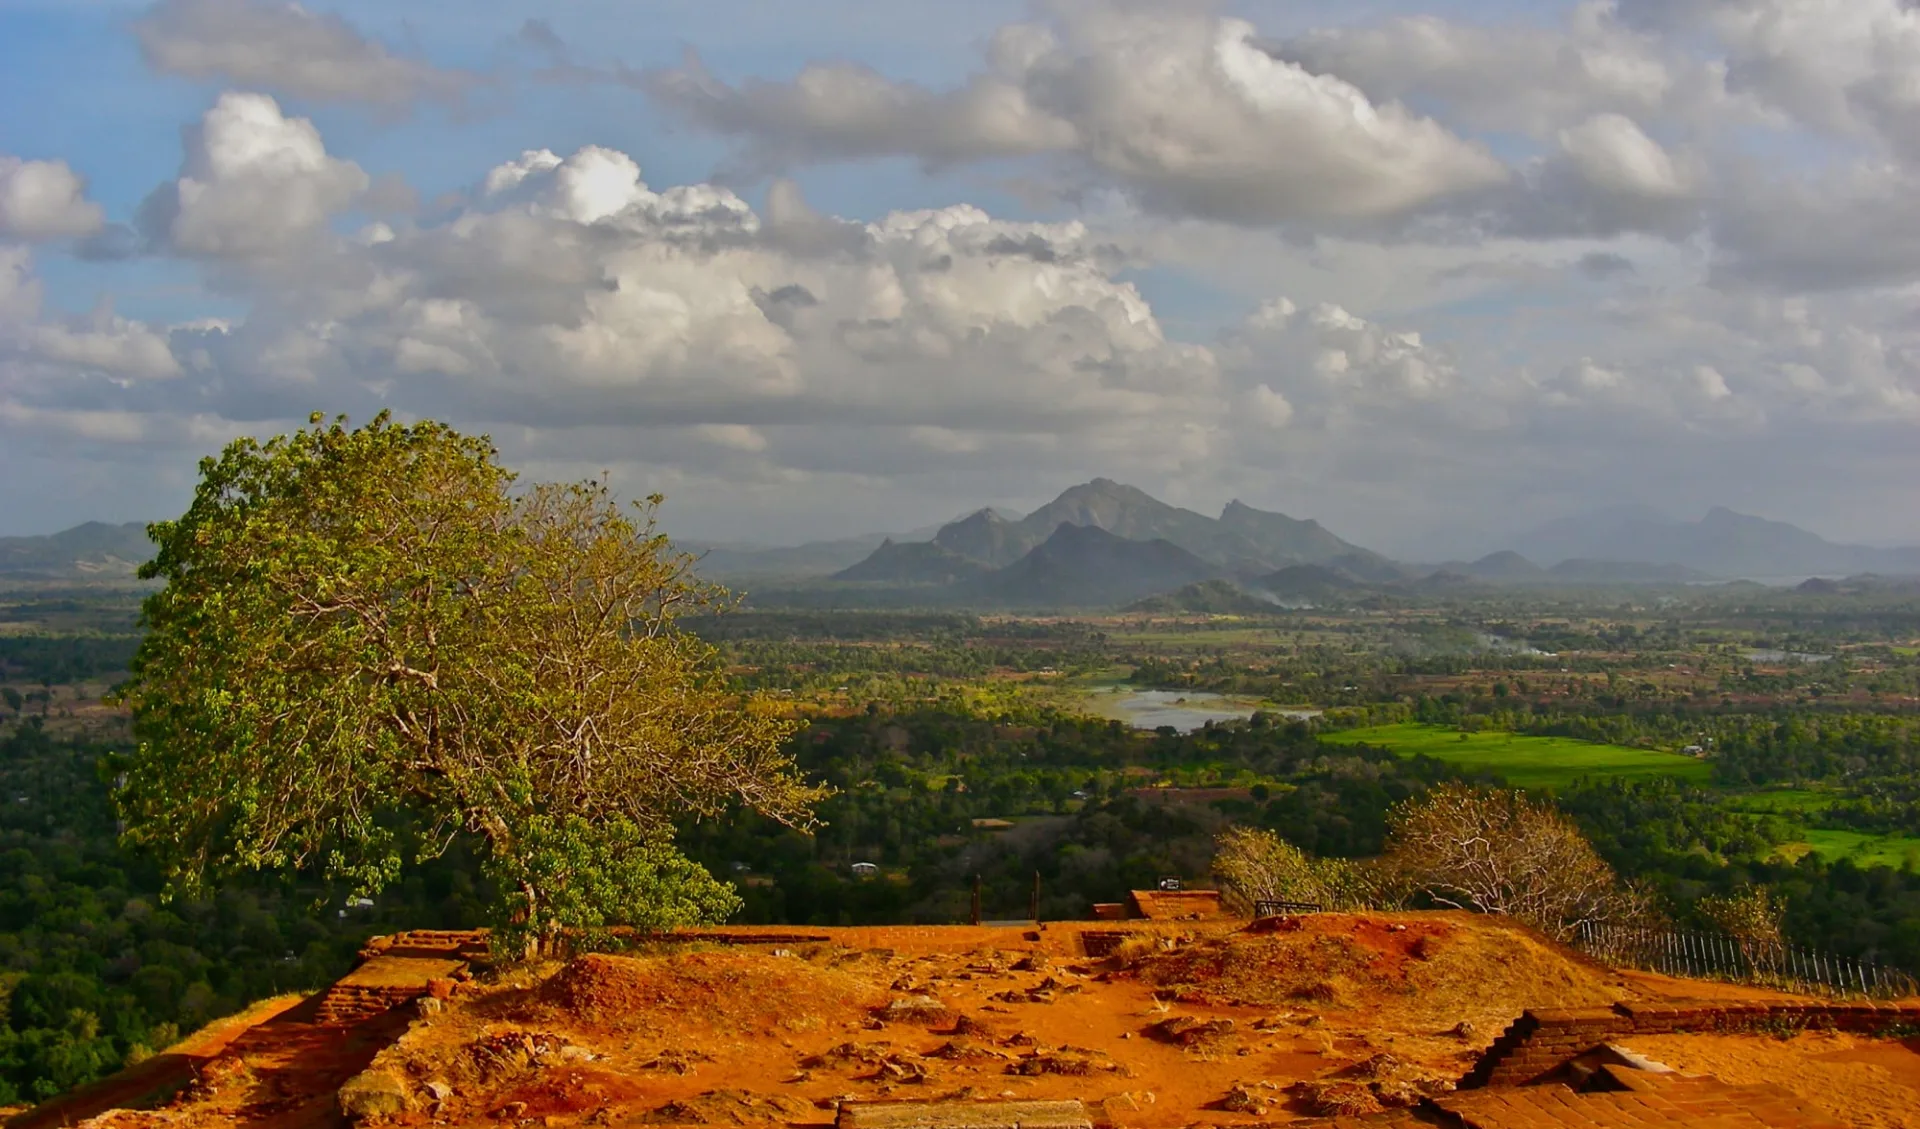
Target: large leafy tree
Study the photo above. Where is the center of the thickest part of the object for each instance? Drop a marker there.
(369, 643)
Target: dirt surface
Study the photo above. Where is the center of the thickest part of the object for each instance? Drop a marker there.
(1870, 1083)
(1179, 1022)
(1163, 1024)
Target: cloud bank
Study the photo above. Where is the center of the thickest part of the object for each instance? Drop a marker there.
(1401, 275)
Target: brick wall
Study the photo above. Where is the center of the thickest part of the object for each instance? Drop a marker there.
(1541, 1040)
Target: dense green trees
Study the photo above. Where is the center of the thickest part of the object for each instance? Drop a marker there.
(97, 968)
(369, 645)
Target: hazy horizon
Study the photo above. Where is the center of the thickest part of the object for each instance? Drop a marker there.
(1431, 272)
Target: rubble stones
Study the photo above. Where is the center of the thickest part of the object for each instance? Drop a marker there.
(1186, 1031)
(373, 1095)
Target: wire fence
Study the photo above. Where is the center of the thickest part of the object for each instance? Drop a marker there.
(1718, 956)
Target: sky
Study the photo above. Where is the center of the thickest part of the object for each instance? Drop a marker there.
(1429, 271)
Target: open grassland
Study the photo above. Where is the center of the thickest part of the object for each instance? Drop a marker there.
(1861, 848)
(1524, 762)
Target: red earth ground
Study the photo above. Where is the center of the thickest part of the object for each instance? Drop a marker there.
(1165, 1024)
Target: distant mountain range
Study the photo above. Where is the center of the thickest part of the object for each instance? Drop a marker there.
(1723, 544)
(94, 550)
(1105, 544)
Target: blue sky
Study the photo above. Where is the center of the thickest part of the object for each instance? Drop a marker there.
(1429, 272)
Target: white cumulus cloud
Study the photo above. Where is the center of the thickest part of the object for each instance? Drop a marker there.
(1184, 111)
(42, 200)
(255, 183)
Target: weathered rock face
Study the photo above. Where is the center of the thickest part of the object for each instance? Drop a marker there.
(375, 1094)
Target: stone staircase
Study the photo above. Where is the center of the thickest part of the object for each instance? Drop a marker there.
(344, 1004)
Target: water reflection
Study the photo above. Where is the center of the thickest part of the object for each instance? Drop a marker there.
(1185, 710)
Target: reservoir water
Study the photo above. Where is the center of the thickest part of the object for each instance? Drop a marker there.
(1185, 710)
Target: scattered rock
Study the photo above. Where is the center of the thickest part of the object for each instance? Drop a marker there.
(512, 1111)
(372, 1095)
(1240, 1099)
(1463, 1029)
(964, 1049)
(676, 1061)
(1070, 1061)
(510, 1052)
(868, 1054)
(967, 1025)
(1337, 1098)
(730, 1107)
(918, 1009)
(1382, 1065)
(1186, 1031)
(1032, 962)
(904, 1070)
(1041, 993)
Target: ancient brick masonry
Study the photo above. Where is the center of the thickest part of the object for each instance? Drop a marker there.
(1541, 1041)
(396, 971)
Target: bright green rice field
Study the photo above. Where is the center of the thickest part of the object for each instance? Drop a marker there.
(1861, 848)
(1524, 762)
(1553, 762)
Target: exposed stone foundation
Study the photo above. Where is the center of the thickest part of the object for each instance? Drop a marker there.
(1540, 1041)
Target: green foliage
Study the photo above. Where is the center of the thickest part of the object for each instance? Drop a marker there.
(96, 970)
(368, 646)
(1253, 865)
(594, 877)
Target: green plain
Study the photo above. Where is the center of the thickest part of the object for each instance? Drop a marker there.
(1858, 847)
(1524, 762)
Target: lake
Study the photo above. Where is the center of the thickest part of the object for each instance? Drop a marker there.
(1185, 710)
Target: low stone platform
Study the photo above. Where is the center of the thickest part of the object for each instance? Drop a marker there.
(1544, 1039)
(964, 1115)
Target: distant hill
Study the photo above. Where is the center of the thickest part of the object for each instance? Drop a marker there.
(1209, 597)
(986, 537)
(1310, 582)
(912, 562)
(1241, 540)
(1723, 543)
(1859, 585)
(94, 550)
(1284, 540)
(1623, 572)
(1446, 580)
(816, 558)
(1504, 566)
(1085, 566)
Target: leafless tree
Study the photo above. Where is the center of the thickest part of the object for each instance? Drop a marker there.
(1501, 852)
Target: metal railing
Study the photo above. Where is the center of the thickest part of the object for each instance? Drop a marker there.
(1718, 956)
